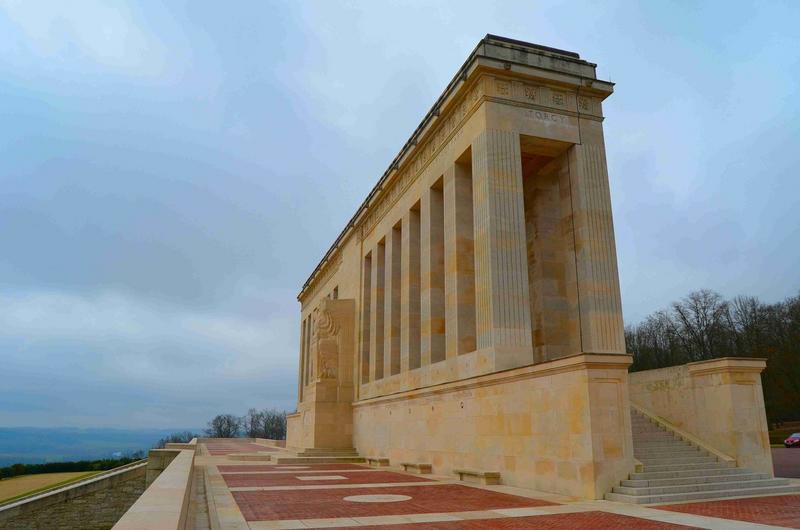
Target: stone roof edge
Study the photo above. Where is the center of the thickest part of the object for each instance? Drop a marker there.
(411, 143)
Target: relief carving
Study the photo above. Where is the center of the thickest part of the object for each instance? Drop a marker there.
(326, 341)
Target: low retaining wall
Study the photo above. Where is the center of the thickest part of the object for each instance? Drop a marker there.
(720, 402)
(92, 504)
(164, 504)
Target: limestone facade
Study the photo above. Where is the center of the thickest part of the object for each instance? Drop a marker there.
(469, 314)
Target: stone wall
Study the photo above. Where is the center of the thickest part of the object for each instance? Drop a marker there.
(561, 426)
(164, 504)
(720, 402)
(95, 504)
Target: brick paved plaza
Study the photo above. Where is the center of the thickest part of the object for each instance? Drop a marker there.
(261, 495)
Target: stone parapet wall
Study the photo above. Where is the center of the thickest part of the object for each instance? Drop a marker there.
(164, 504)
(93, 504)
(720, 402)
(561, 426)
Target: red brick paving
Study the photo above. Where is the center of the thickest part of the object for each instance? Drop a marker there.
(288, 467)
(782, 510)
(786, 462)
(324, 503)
(593, 520)
(237, 480)
(226, 448)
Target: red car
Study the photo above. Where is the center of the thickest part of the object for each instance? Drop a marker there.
(793, 440)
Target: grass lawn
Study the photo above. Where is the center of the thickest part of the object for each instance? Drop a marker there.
(15, 487)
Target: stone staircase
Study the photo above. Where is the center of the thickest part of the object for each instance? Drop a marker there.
(676, 470)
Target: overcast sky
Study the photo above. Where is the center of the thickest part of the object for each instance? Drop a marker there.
(171, 172)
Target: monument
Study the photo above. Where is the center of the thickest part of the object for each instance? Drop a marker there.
(468, 316)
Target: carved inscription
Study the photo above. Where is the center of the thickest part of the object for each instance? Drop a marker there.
(549, 117)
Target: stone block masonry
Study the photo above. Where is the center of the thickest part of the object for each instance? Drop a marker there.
(94, 504)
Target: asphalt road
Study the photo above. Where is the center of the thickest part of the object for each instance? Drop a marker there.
(786, 462)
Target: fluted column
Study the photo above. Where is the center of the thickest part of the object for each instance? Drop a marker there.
(366, 317)
(391, 319)
(602, 328)
(376, 317)
(410, 295)
(502, 309)
(459, 261)
(300, 384)
(432, 273)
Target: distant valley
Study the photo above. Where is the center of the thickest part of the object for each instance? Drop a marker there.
(32, 445)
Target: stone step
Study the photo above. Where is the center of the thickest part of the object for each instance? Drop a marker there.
(663, 452)
(329, 450)
(319, 460)
(686, 467)
(674, 442)
(658, 461)
(699, 495)
(652, 441)
(720, 469)
(324, 453)
(703, 479)
(708, 486)
(654, 437)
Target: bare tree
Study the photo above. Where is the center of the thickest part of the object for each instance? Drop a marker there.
(176, 437)
(253, 424)
(273, 424)
(704, 326)
(224, 426)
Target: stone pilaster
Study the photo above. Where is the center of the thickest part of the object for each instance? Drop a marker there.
(432, 273)
(459, 261)
(502, 309)
(595, 250)
(376, 315)
(300, 382)
(410, 295)
(391, 323)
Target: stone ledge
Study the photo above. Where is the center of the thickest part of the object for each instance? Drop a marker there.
(581, 361)
(727, 364)
(164, 504)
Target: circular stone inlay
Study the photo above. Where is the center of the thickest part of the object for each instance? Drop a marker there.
(377, 498)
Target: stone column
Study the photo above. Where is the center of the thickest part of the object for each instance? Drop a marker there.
(410, 295)
(459, 261)
(376, 316)
(391, 333)
(300, 382)
(502, 308)
(432, 273)
(602, 328)
(366, 318)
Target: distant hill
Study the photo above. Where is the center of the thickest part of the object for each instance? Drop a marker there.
(33, 445)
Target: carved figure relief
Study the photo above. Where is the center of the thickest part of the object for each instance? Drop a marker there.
(326, 342)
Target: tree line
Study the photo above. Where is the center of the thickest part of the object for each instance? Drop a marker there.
(267, 423)
(68, 467)
(704, 325)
